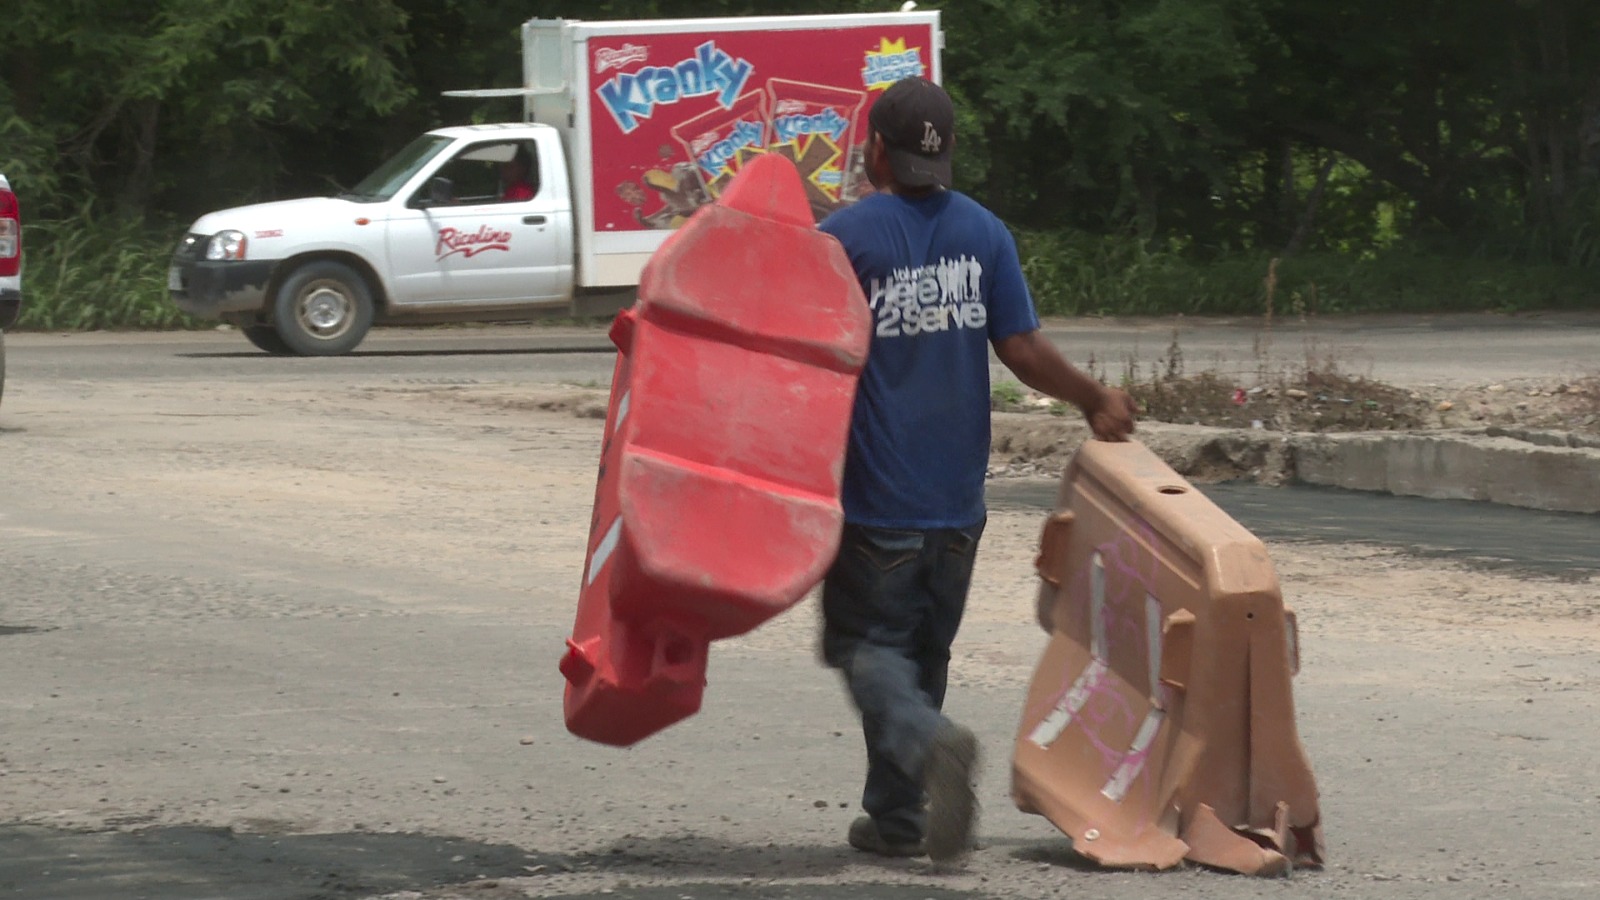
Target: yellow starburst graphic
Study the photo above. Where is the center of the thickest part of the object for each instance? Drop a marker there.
(891, 62)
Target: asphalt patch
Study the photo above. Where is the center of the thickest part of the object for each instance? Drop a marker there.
(198, 863)
(1482, 535)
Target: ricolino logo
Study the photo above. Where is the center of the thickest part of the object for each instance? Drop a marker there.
(470, 243)
(608, 58)
(632, 96)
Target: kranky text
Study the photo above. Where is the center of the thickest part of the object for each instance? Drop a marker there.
(714, 156)
(632, 96)
(828, 122)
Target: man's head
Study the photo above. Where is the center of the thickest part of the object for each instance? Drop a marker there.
(518, 167)
(913, 124)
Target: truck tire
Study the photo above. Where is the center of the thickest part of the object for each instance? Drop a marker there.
(2, 365)
(323, 308)
(265, 337)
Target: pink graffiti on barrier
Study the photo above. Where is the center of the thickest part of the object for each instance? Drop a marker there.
(1112, 591)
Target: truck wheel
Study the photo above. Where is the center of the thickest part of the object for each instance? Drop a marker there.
(324, 308)
(265, 337)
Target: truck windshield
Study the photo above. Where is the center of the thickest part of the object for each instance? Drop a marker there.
(397, 170)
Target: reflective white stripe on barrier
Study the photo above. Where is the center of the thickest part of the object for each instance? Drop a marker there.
(1097, 606)
(607, 546)
(1138, 754)
(1071, 703)
(622, 410)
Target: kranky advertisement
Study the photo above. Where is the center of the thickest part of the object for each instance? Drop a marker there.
(675, 116)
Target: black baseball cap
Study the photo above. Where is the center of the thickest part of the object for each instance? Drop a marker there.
(918, 125)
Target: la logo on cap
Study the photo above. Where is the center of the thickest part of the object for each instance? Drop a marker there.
(930, 138)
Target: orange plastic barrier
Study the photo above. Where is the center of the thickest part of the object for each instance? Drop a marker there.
(1160, 724)
(717, 503)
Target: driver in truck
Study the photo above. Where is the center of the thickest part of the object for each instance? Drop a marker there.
(514, 181)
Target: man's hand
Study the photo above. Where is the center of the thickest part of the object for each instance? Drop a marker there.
(1041, 366)
(1111, 415)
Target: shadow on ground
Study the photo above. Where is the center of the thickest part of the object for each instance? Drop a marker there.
(776, 892)
(200, 863)
(191, 863)
(690, 855)
(1059, 854)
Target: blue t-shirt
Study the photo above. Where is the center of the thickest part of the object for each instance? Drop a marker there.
(942, 278)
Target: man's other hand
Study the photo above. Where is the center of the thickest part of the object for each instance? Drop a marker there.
(1111, 415)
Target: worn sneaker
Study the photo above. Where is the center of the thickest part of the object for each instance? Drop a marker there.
(948, 777)
(864, 836)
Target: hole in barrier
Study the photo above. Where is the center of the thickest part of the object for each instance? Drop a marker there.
(677, 652)
(1173, 489)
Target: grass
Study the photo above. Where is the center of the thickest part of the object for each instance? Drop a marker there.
(89, 272)
(1005, 395)
(1310, 394)
(1081, 274)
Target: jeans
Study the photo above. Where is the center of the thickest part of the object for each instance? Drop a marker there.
(891, 605)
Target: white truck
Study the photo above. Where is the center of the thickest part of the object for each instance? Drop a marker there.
(628, 128)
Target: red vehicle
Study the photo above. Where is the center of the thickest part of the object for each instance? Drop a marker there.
(10, 268)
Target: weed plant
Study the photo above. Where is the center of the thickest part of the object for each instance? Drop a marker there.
(91, 272)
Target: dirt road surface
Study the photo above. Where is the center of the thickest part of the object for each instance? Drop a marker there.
(288, 629)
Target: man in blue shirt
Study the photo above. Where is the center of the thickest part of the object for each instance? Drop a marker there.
(942, 277)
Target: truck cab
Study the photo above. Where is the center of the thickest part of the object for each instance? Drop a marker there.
(438, 232)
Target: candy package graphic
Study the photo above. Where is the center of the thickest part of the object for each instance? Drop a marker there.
(677, 116)
(720, 141)
(815, 126)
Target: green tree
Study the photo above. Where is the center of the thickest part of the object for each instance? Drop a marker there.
(1483, 114)
(1100, 115)
(143, 101)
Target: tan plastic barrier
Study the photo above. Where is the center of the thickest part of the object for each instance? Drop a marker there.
(1160, 723)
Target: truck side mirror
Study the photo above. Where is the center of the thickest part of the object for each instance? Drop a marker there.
(441, 192)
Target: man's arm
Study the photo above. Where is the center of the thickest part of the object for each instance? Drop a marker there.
(1032, 358)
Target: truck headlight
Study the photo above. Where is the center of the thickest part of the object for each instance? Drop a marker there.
(226, 245)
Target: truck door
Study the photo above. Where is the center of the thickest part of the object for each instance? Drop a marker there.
(489, 233)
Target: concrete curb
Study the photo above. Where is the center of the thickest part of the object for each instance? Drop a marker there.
(1553, 471)
(1468, 465)
(1547, 470)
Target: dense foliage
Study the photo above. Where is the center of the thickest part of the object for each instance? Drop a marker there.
(1154, 155)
